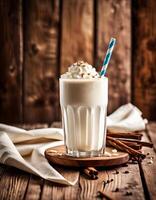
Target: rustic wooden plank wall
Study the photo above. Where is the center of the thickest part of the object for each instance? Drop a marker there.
(41, 29)
(77, 32)
(10, 61)
(114, 20)
(40, 39)
(144, 56)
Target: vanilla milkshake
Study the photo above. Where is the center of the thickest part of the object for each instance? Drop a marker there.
(83, 99)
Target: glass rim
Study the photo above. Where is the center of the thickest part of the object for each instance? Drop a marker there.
(83, 79)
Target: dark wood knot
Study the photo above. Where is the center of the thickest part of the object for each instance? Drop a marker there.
(151, 44)
(34, 49)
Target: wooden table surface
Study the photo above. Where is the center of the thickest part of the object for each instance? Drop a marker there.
(131, 181)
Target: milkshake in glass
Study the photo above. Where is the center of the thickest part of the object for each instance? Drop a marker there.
(83, 100)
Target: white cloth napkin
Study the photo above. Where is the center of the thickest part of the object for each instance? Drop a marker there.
(15, 150)
(127, 118)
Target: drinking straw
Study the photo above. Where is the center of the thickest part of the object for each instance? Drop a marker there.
(108, 56)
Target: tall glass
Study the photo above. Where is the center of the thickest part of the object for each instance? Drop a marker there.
(84, 109)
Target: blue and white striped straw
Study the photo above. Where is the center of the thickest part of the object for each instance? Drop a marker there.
(108, 56)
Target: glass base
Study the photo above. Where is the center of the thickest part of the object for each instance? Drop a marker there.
(85, 153)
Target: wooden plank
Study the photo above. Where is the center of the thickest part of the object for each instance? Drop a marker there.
(53, 191)
(42, 189)
(152, 133)
(57, 191)
(13, 184)
(77, 32)
(10, 61)
(34, 188)
(144, 56)
(148, 169)
(114, 20)
(41, 25)
(125, 179)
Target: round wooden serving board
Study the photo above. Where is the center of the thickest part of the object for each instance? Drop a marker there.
(57, 155)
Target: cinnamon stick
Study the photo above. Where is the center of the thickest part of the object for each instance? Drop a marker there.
(133, 145)
(91, 172)
(123, 147)
(142, 143)
(132, 135)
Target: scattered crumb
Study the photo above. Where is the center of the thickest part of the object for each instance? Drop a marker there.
(133, 161)
(126, 172)
(107, 154)
(150, 162)
(116, 190)
(128, 193)
(108, 181)
(114, 150)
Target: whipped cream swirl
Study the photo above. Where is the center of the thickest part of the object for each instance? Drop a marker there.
(80, 70)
